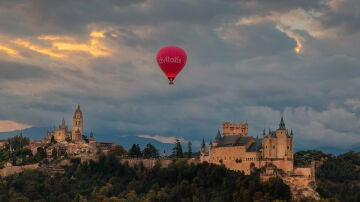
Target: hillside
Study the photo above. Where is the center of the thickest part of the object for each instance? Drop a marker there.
(108, 180)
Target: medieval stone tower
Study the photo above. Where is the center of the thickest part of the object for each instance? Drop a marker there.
(278, 144)
(77, 125)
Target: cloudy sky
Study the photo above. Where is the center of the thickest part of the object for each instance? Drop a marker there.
(248, 61)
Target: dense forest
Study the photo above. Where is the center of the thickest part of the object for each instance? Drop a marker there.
(108, 180)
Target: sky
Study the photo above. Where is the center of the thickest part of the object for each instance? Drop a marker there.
(248, 61)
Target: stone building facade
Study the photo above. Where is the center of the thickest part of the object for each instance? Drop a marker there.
(238, 151)
(62, 133)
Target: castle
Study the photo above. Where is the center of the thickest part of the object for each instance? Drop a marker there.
(238, 151)
(63, 133)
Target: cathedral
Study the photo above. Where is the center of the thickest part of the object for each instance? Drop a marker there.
(238, 151)
(63, 133)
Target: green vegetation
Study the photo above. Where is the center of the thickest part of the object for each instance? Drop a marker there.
(177, 150)
(339, 177)
(108, 180)
(16, 143)
(304, 158)
(150, 152)
(135, 151)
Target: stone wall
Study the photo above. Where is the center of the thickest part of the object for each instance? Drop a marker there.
(17, 169)
(229, 128)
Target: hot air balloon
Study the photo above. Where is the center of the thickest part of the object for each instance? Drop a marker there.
(171, 60)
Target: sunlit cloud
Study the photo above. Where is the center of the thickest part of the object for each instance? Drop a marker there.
(62, 47)
(252, 20)
(93, 47)
(292, 21)
(39, 49)
(9, 125)
(298, 39)
(9, 51)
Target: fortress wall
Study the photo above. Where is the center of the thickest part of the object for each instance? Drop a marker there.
(303, 171)
(226, 154)
(229, 128)
(17, 169)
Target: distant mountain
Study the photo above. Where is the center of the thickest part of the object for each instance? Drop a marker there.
(34, 133)
(128, 140)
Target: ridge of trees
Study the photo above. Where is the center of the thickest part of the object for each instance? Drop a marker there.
(109, 180)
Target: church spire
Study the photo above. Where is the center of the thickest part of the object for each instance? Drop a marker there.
(203, 143)
(282, 124)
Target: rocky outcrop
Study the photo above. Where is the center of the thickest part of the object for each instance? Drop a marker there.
(302, 187)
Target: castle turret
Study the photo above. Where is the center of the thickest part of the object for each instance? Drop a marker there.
(77, 125)
(281, 142)
(282, 124)
(203, 147)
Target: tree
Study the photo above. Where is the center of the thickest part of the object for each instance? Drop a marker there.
(150, 151)
(177, 150)
(85, 138)
(68, 138)
(276, 189)
(54, 153)
(16, 143)
(189, 154)
(135, 151)
(53, 141)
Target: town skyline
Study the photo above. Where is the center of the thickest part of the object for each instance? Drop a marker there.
(248, 62)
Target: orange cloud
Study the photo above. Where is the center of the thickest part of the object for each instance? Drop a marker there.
(39, 49)
(9, 51)
(298, 39)
(9, 125)
(93, 47)
(60, 46)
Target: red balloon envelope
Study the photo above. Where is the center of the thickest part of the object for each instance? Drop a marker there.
(171, 60)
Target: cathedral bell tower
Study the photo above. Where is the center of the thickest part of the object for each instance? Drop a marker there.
(77, 125)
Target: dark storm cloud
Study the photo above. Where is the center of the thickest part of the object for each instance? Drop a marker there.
(52, 16)
(15, 71)
(345, 15)
(281, 5)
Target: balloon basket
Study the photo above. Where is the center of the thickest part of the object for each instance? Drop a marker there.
(171, 80)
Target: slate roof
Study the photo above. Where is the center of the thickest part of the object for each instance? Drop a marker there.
(233, 140)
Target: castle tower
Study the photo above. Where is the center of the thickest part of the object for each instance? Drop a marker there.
(281, 142)
(203, 147)
(77, 125)
(278, 144)
(229, 128)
